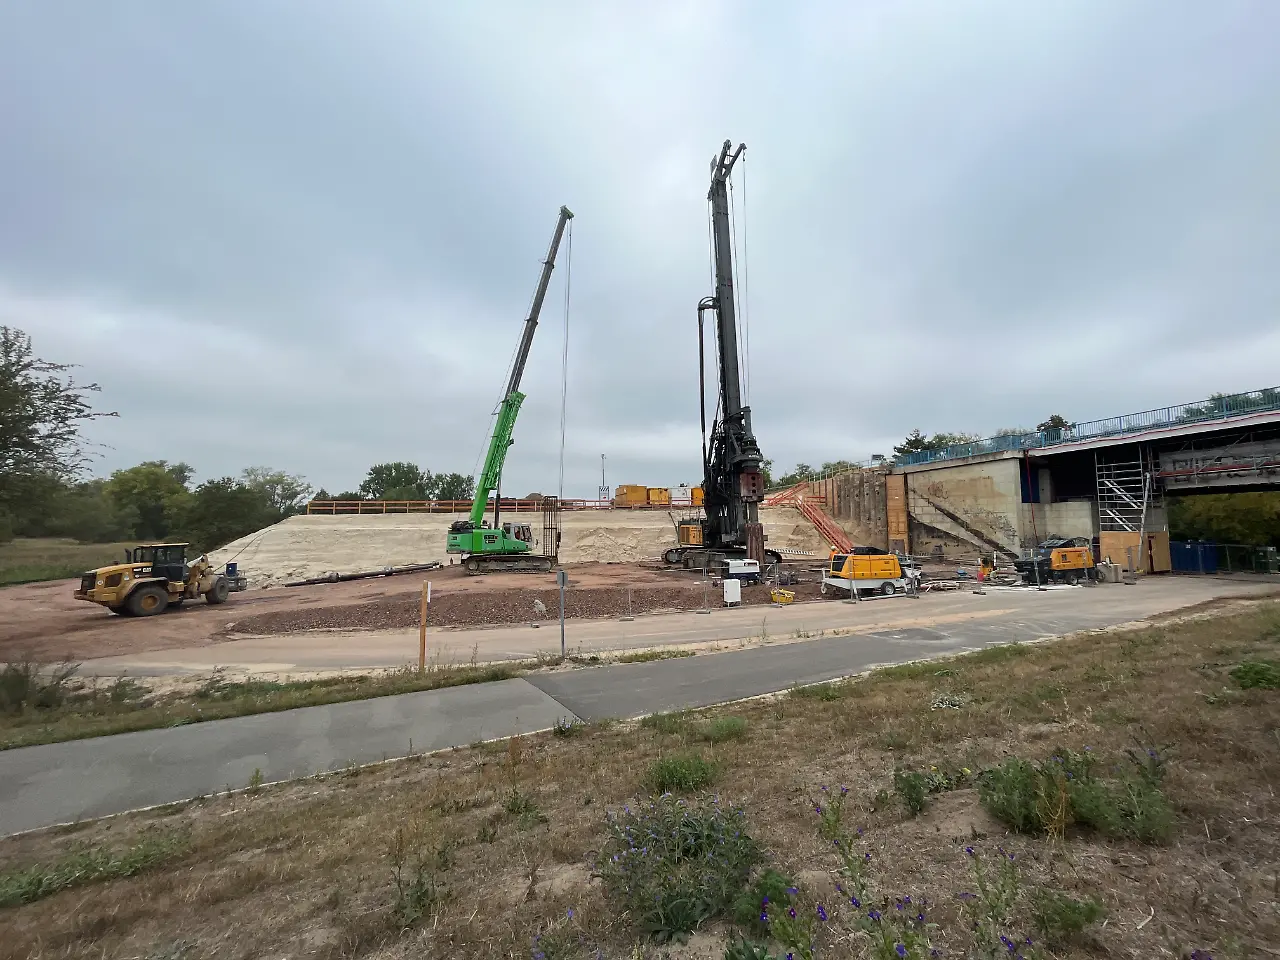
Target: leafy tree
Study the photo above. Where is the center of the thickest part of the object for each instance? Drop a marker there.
(766, 468)
(453, 486)
(837, 466)
(223, 510)
(42, 411)
(1252, 518)
(801, 473)
(286, 492)
(916, 442)
(155, 491)
(406, 480)
(84, 512)
(1055, 422)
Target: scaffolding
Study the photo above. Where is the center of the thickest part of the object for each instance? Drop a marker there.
(1127, 492)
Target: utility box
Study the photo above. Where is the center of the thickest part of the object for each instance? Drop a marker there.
(631, 495)
(732, 592)
(658, 496)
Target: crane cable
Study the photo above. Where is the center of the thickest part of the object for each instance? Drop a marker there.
(564, 354)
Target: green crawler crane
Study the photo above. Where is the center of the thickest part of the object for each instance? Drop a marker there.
(509, 546)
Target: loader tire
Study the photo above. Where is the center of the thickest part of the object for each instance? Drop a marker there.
(219, 592)
(120, 611)
(148, 600)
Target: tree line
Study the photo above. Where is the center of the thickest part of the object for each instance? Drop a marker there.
(44, 459)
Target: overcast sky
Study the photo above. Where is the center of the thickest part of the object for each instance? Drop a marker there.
(305, 234)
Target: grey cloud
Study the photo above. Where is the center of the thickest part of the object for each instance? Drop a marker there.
(326, 219)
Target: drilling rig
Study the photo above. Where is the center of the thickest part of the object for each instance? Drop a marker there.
(733, 484)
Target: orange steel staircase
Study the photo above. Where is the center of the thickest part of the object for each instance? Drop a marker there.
(808, 506)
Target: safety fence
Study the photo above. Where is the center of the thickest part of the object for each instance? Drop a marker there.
(1200, 556)
(332, 507)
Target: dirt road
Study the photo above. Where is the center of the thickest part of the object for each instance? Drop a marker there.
(42, 621)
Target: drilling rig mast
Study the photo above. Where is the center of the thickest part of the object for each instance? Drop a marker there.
(733, 484)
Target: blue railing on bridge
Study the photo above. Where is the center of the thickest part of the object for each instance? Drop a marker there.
(1215, 408)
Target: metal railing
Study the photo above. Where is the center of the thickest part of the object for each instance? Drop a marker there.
(1215, 408)
(358, 507)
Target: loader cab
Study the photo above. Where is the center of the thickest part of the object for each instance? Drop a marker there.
(168, 560)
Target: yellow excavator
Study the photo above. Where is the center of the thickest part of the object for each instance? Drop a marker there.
(155, 577)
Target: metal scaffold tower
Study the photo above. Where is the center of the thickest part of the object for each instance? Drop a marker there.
(1127, 491)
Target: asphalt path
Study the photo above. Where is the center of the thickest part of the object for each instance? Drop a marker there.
(79, 779)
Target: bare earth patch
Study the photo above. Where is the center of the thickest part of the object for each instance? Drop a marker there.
(495, 847)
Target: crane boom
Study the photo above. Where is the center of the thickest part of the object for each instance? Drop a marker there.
(509, 407)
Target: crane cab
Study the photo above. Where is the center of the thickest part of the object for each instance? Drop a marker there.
(521, 532)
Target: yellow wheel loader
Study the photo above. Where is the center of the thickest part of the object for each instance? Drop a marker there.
(153, 578)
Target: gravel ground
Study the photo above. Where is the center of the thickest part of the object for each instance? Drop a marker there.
(495, 608)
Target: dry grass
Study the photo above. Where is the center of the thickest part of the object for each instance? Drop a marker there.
(501, 836)
(30, 560)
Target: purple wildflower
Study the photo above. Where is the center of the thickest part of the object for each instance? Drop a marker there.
(969, 851)
(822, 914)
(900, 950)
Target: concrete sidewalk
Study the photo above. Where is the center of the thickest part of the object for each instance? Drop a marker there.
(62, 782)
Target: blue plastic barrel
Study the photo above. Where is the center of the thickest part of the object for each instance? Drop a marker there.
(232, 568)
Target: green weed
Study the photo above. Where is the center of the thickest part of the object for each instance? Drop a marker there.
(667, 723)
(1060, 917)
(751, 905)
(647, 656)
(722, 729)
(1257, 675)
(681, 772)
(87, 865)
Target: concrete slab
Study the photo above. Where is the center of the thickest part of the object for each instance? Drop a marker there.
(62, 782)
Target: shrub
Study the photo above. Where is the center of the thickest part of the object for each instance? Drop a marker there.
(1051, 795)
(672, 866)
(34, 686)
(681, 772)
(724, 728)
(1060, 917)
(567, 727)
(1257, 674)
(912, 788)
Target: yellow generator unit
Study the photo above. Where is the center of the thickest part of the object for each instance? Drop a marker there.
(1059, 560)
(631, 495)
(689, 533)
(153, 578)
(870, 571)
(658, 497)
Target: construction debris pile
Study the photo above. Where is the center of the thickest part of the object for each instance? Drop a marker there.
(491, 608)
